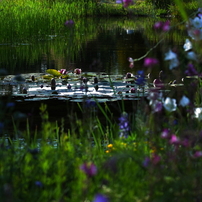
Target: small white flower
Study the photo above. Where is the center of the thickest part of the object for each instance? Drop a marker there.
(130, 59)
(173, 63)
(184, 101)
(172, 57)
(196, 22)
(192, 56)
(170, 104)
(198, 113)
(188, 45)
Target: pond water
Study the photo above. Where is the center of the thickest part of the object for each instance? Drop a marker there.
(93, 44)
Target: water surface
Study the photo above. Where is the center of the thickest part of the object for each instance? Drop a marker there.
(96, 45)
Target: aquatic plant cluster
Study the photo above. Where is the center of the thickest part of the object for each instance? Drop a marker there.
(153, 153)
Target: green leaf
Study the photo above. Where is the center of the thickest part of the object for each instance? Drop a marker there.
(180, 6)
(54, 72)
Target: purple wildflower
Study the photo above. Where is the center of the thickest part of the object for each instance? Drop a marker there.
(155, 159)
(190, 71)
(198, 154)
(140, 78)
(154, 94)
(89, 169)
(127, 3)
(124, 125)
(38, 184)
(158, 25)
(166, 26)
(140, 81)
(100, 198)
(146, 162)
(162, 26)
(165, 133)
(174, 139)
(186, 142)
(157, 106)
(119, 1)
(150, 62)
(69, 23)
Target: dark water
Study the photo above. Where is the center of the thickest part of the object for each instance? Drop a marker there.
(95, 45)
(92, 44)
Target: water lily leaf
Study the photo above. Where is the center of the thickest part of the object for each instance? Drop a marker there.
(54, 72)
(90, 74)
(49, 77)
(66, 76)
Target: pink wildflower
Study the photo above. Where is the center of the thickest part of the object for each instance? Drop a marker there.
(77, 71)
(162, 26)
(89, 169)
(150, 62)
(166, 26)
(174, 139)
(155, 159)
(198, 154)
(165, 133)
(127, 3)
(63, 71)
(131, 62)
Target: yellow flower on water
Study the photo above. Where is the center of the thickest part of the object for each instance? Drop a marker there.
(107, 151)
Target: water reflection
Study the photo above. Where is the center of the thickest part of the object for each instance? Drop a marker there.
(92, 45)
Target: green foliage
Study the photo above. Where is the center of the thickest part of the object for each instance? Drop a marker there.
(165, 4)
(182, 11)
(142, 167)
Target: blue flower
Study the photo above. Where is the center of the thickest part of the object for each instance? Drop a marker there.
(90, 103)
(140, 73)
(140, 81)
(38, 184)
(140, 78)
(10, 104)
(124, 125)
(1, 127)
(100, 198)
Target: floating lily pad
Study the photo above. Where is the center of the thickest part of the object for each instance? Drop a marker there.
(48, 77)
(54, 72)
